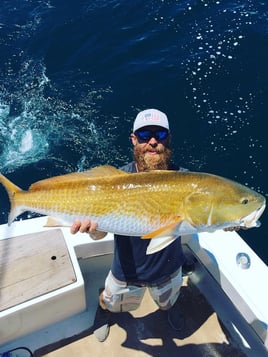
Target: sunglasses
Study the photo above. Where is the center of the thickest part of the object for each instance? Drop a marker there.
(146, 135)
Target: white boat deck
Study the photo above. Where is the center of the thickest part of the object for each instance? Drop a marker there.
(224, 315)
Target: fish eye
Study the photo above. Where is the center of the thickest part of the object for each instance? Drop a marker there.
(244, 201)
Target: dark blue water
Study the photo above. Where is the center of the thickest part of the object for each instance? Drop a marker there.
(73, 75)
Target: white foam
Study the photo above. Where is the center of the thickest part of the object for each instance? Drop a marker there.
(26, 141)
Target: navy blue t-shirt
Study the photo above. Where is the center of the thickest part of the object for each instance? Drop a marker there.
(132, 264)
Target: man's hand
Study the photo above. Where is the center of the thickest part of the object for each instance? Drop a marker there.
(87, 226)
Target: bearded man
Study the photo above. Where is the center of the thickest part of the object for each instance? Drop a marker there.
(133, 271)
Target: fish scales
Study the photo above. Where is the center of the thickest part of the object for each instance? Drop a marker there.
(100, 197)
(175, 202)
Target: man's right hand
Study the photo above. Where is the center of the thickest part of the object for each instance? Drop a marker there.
(87, 226)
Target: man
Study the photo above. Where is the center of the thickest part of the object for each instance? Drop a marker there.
(132, 270)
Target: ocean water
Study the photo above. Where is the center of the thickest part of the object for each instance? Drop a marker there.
(74, 74)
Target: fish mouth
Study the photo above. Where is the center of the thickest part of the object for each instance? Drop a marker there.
(251, 220)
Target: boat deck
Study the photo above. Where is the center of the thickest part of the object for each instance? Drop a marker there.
(146, 332)
(224, 316)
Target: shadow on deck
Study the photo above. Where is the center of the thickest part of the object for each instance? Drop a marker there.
(146, 332)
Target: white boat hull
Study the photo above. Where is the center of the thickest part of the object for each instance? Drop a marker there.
(236, 292)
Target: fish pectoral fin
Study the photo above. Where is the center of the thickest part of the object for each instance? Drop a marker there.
(161, 237)
(165, 231)
(158, 244)
(56, 222)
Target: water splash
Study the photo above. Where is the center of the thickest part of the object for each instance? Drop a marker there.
(22, 143)
(44, 119)
(26, 141)
(60, 123)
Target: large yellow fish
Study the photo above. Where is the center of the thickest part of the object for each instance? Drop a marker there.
(149, 204)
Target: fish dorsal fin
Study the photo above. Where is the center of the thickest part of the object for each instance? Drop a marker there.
(105, 170)
(100, 171)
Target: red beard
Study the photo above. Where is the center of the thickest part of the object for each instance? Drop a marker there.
(159, 161)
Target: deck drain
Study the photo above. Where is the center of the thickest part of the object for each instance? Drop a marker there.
(243, 260)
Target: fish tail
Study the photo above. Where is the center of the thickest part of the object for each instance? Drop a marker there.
(12, 190)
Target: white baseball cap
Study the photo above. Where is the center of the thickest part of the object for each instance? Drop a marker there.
(150, 117)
